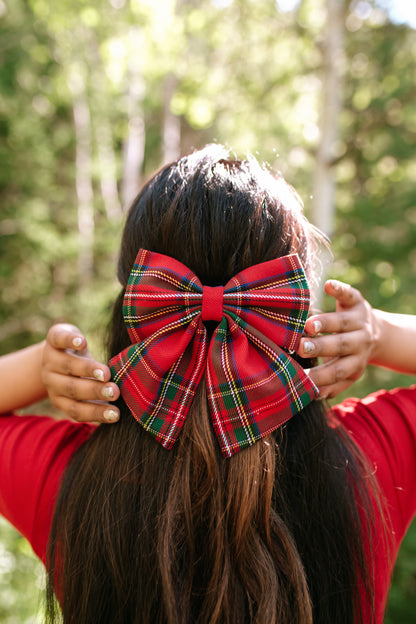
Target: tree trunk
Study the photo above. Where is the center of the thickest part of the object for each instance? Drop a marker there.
(107, 162)
(323, 210)
(171, 124)
(84, 187)
(108, 169)
(133, 148)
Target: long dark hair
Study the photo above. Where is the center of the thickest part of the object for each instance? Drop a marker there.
(279, 533)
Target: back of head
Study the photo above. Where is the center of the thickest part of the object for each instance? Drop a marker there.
(217, 216)
(185, 535)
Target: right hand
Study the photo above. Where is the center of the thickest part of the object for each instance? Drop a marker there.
(77, 384)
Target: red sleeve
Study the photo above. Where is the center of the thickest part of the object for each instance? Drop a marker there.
(34, 451)
(384, 427)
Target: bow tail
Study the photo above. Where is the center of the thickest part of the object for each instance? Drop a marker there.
(254, 387)
(158, 378)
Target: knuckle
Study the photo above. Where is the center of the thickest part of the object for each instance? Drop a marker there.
(350, 292)
(344, 345)
(344, 322)
(67, 366)
(71, 390)
(339, 373)
(366, 342)
(367, 335)
(72, 411)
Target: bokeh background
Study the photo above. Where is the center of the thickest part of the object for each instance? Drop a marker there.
(95, 95)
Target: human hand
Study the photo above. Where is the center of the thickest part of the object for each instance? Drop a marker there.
(77, 384)
(345, 339)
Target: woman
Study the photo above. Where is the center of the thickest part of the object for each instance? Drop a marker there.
(295, 526)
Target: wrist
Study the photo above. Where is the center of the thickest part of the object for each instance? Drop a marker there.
(34, 360)
(377, 325)
(21, 375)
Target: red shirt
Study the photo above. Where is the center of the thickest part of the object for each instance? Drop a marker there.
(34, 451)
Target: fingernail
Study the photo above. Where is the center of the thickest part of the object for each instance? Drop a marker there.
(308, 346)
(77, 342)
(98, 374)
(108, 392)
(111, 415)
(317, 325)
(322, 397)
(336, 285)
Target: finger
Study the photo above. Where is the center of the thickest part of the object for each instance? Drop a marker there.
(332, 322)
(330, 392)
(337, 370)
(333, 345)
(345, 294)
(84, 411)
(67, 363)
(313, 325)
(66, 336)
(81, 389)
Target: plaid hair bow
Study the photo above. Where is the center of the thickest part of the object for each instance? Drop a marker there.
(253, 385)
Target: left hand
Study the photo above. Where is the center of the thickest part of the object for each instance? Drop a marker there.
(345, 339)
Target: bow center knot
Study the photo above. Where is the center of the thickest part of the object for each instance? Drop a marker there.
(212, 303)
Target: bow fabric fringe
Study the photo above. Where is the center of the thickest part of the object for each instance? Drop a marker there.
(253, 384)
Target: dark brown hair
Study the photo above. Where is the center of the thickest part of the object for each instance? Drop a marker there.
(278, 533)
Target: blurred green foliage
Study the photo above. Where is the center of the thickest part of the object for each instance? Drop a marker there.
(22, 579)
(241, 72)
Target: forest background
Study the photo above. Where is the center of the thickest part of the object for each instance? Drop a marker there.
(94, 95)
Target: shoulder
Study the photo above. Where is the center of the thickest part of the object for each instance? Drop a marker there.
(384, 415)
(34, 451)
(397, 398)
(383, 425)
(30, 433)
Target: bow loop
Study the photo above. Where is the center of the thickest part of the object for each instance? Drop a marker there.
(253, 384)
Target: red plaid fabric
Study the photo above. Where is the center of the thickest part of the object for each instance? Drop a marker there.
(253, 385)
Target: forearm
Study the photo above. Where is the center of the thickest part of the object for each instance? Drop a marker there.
(20, 375)
(395, 346)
